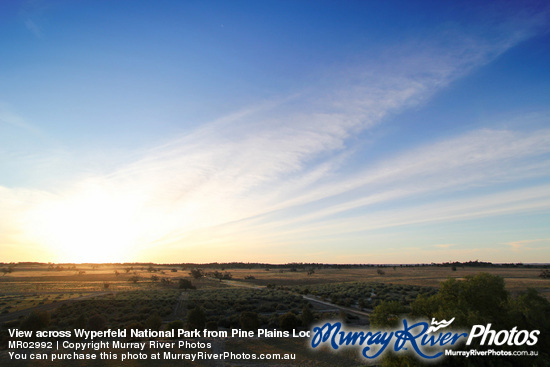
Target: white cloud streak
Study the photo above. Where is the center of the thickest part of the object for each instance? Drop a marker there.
(275, 171)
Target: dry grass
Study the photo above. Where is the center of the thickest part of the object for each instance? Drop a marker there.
(37, 280)
(30, 286)
(517, 279)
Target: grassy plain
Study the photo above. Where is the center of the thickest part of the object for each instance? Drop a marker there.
(517, 279)
(127, 294)
(37, 283)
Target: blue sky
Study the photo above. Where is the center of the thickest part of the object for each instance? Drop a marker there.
(274, 131)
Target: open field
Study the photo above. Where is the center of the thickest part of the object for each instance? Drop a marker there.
(135, 296)
(42, 286)
(75, 280)
(517, 279)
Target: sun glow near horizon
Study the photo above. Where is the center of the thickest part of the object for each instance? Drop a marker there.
(90, 226)
(159, 137)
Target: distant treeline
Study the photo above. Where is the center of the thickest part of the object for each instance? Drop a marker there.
(305, 266)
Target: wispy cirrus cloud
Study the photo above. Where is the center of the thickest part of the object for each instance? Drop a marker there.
(528, 244)
(33, 27)
(444, 245)
(477, 159)
(279, 172)
(8, 117)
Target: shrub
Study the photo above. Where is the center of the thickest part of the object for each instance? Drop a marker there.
(153, 322)
(185, 284)
(307, 316)
(36, 320)
(175, 326)
(196, 318)
(196, 273)
(249, 320)
(212, 325)
(289, 321)
(97, 322)
(80, 322)
(133, 325)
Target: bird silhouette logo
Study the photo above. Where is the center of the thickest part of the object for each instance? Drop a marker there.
(439, 325)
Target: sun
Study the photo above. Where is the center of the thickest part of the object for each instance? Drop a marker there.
(90, 226)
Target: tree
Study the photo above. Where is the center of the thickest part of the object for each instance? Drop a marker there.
(485, 294)
(531, 311)
(387, 314)
(483, 299)
(478, 299)
(196, 273)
